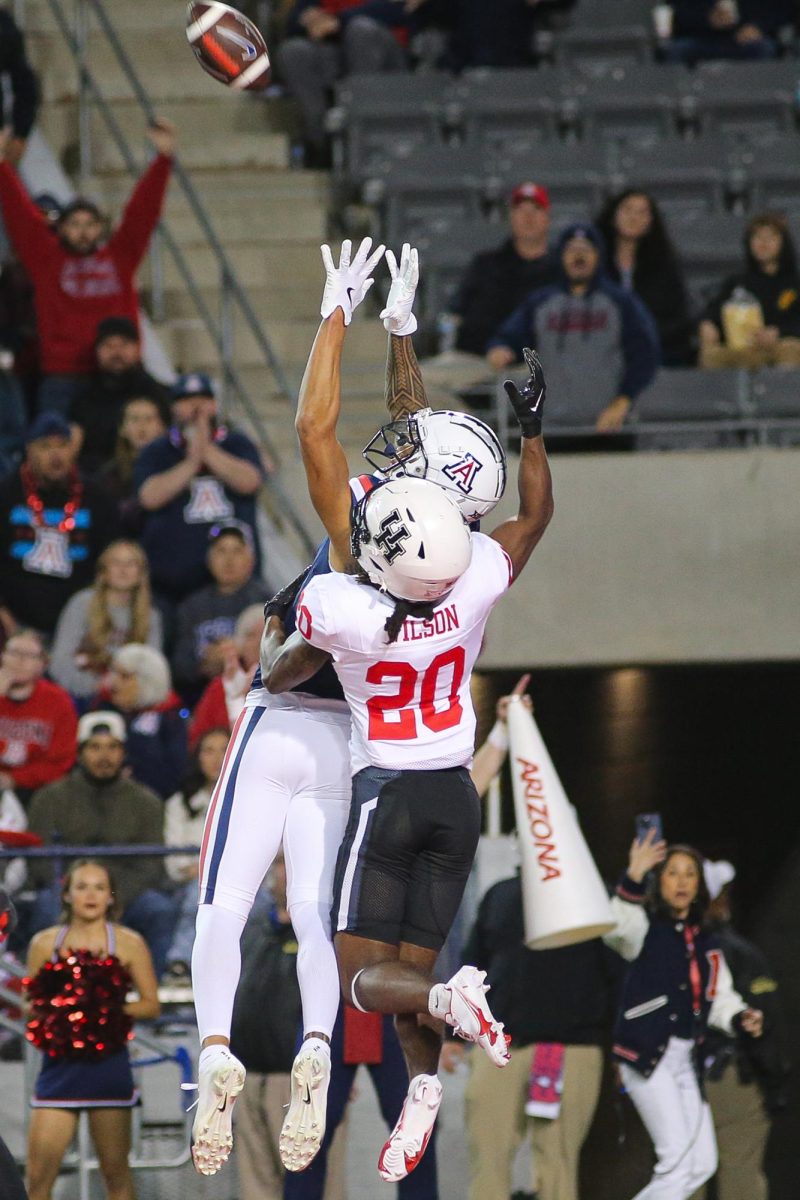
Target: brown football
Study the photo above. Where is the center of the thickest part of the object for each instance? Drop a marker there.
(228, 46)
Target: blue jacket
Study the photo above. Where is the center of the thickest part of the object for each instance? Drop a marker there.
(659, 998)
(594, 347)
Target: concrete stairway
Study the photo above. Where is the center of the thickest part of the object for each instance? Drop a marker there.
(270, 219)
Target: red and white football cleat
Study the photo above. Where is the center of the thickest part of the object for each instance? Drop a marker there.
(471, 1017)
(410, 1136)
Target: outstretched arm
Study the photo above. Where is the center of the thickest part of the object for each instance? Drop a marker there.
(405, 391)
(520, 535)
(320, 399)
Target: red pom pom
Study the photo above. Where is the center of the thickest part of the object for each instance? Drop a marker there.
(77, 1007)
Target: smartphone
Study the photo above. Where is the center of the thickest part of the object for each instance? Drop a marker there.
(647, 821)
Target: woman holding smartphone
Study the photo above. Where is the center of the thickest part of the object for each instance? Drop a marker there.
(677, 985)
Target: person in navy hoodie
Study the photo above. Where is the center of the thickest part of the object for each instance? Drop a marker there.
(678, 984)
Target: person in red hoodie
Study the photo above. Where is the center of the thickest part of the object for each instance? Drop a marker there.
(38, 722)
(79, 278)
(139, 687)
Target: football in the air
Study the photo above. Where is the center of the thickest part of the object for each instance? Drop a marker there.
(228, 46)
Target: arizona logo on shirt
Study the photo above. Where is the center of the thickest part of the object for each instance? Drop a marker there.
(207, 502)
(462, 472)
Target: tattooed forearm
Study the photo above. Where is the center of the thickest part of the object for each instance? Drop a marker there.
(405, 391)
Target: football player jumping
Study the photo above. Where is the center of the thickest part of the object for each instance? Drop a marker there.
(402, 616)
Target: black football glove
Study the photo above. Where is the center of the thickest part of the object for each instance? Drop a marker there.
(528, 404)
(283, 600)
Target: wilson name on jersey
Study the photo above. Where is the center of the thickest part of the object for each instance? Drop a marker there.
(409, 700)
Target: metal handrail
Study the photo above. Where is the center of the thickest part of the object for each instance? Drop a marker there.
(233, 294)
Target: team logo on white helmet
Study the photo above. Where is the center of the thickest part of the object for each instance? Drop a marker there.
(410, 539)
(452, 449)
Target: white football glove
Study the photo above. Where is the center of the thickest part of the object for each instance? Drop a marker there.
(347, 285)
(397, 317)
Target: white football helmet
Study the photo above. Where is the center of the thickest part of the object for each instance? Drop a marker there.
(410, 539)
(452, 449)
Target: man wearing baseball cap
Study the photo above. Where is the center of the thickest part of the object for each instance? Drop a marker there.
(498, 280)
(54, 523)
(199, 475)
(96, 804)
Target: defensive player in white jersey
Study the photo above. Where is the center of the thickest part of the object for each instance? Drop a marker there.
(286, 780)
(404, 634)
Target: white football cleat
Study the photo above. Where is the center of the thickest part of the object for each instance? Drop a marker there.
(471, 1017)
(220, 1080)
(409, 1138)
(304, 1124)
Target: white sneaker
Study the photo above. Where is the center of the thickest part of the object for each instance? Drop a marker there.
(471, 1017)
(304, 1124)
(220, 1080)
(410, 1136)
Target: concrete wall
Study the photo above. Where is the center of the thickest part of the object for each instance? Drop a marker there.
(654, 558)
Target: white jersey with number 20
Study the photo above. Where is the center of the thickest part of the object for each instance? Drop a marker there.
(409, 700)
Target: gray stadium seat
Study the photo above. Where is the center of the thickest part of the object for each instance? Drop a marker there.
(575, 174)
(746, 100)
(710, 404)
(684, 176)
(776, 394)
(433, 183)
(710, 247)
(499, 108)
(385, 116)
(589, 49)
(638, 103)
(772, 170)
(446, 248)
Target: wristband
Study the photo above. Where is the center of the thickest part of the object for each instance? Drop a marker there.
(498, 736)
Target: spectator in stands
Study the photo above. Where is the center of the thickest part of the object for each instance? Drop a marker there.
(143, 419)
(557, 1005)
(599, 341)
(754, 320)
(746, 1080)
(96, 621)
(497, 281)
(200, 475)
(184, 820)
(501, 34)
(139, 687)
(207, 618)
(223, 698)
(118, 375)
(24, 88)
(79, 278)
(54, 524)
(38, 723)
(726, 29)
(327, 39)
(640, 257)
(98, 804)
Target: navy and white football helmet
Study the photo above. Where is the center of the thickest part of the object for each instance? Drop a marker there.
(452, 449)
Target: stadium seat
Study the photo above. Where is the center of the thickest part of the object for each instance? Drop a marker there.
(772, 171)
(590, 49)
(575, 174)
(432, 183)
(385, 116)
(745, 100)
(714, 402)
(684, 176)
(637, 103)
(446, 248)
(776, 395)
(710, 248)
(499, 108)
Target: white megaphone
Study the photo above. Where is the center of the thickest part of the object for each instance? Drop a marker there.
(564, 898)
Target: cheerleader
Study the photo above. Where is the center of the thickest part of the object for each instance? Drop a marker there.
(677, 985)
(79, 977)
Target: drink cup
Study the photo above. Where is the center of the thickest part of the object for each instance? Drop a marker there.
(662, 21)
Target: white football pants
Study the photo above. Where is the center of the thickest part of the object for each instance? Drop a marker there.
(285, 781)
(679, 1122)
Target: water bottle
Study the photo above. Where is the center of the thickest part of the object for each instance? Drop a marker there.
(742, 317)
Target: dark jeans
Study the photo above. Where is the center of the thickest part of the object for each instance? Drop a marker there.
(152, 914)
(390, 1080)
(715, 45)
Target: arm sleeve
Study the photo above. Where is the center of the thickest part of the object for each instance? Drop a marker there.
(59, 755)
(130, 239)
(627, 937)
(494, 567)
(727, 1003)
(640, 347)
(24, 85)
(70, 632)
(311, 616)
(517, 331)
(26, 226)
